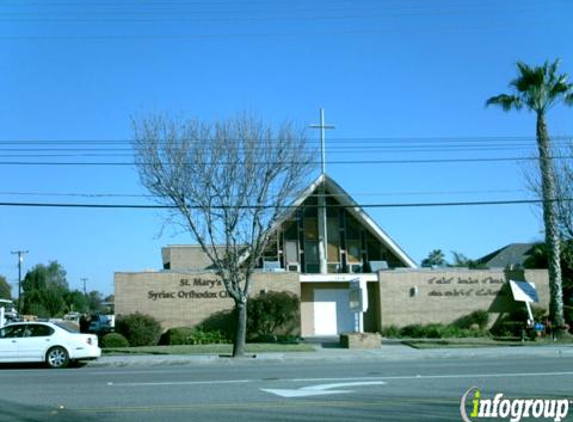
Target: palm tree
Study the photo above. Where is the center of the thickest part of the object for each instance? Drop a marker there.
(436, 258)
(538, 89)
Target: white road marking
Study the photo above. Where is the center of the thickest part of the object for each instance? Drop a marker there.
(151, 384)
(320, 390)
(454, 376)
(342, 385)
(323, 389)
(344, 381)
(301, 392)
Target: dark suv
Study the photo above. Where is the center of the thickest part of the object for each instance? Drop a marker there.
(98, 324)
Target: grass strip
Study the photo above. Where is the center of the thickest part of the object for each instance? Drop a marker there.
(460, 343)
(208, 349)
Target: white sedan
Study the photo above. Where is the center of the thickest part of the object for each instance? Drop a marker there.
(48, 342)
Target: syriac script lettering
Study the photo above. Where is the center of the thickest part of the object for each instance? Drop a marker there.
(468, 280)
(488, 286)
(466, 293)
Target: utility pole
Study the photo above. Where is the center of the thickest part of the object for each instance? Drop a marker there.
(322, 222)
(20, 260)
(84, 279)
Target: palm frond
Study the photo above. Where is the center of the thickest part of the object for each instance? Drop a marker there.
(505, 101)
(528, 78)
(559, 88)
(552, 69)
(537, 88)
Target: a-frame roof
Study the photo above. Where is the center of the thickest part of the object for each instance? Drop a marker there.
(357, 212)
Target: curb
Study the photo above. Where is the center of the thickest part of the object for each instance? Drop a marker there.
(389, 353)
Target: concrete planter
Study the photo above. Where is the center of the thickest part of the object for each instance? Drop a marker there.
(361, 340)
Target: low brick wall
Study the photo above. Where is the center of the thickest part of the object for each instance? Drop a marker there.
(442, 296)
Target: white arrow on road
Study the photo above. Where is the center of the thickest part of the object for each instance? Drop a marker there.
(320, 390)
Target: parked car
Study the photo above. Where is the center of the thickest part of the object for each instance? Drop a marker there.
(10, 313)
(99, 324)
(52, 343)
(72, 316)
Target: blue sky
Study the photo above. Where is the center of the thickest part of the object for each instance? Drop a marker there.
(409, 77)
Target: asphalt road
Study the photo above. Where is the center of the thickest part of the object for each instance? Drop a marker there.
(251, 390)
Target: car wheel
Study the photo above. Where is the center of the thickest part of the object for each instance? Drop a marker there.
(57, 357)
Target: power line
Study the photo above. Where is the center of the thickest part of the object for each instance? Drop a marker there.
(289, 12)
(332, 195)
(334, 162)
(391, 205)
(239, 14)
(331, 139)
(355, 146)
(332, 151)
(241, 3)
(254, 35)
(181, 17)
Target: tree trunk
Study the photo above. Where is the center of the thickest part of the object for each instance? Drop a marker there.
(552, 238)
(241, 332)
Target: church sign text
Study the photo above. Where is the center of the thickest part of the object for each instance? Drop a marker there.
(194, 292)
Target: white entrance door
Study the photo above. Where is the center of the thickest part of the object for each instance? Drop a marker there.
(332, 313)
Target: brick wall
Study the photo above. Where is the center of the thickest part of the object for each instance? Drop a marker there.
(185, 257)
(436, 296)
(401, 297)
(186, 299)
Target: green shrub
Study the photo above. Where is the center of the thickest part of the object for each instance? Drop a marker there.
(39, 310)
(479, 319)
(265, 338)
(508, 328)
(191, 336)
(223, 321)
(413, 331)
(434, 331)
(391, 331)
(139, 329)
(287, 339)
(114, 340)
(276, 338)
(568, 312)
(514, 323)
(272, 313)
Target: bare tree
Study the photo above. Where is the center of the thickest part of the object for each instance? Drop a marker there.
(228, 183)
(564, 194)
(563, 171)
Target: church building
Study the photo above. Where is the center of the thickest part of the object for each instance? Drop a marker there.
(324, 247)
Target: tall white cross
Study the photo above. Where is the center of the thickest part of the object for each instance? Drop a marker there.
(322, 126)
(322, 221)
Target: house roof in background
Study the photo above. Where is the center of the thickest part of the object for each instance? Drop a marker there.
(514, 254)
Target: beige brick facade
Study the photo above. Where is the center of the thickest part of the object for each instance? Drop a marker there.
(400, 297)
(424, 296)
(187, 294)
(178, 299)
(185, 257)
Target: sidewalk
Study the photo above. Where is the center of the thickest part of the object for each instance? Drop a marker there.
(388, 352)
